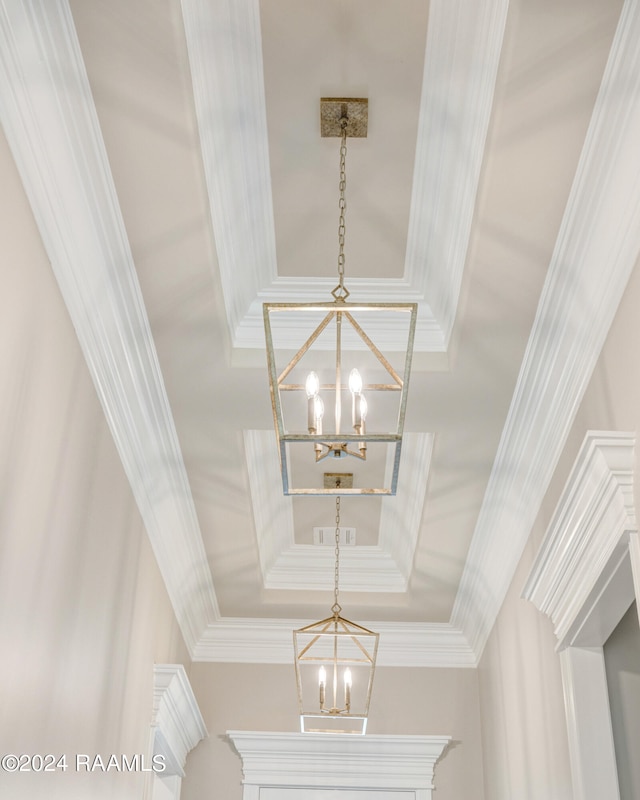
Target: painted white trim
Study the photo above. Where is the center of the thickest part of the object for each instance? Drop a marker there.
(594, 772)
(57, 144)
(177, 721)
(338, 760)
(579, 300)
(225, 54)
(382, 568)
(464, 42)
(50, 120)
(595, 512)
(269, 641)
(272, 511)
(634, 555)
(580, 579)
(401, 516)
(390, 337)
(462, 54)
(363, 568)
(168, 788)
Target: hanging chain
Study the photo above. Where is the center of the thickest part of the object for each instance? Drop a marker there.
(336, 608)
(340, 292)
(342, 204)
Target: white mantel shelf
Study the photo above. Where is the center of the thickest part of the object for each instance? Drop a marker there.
(338, 761)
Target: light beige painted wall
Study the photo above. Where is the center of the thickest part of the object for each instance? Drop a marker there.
(622, 660)
(521, 701)
(404, 701)
(83, 610)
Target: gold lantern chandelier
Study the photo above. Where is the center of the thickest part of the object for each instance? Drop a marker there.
(335, 337)
(335, 662)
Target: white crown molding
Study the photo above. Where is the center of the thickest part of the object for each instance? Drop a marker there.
(177, 721)
(270, 641)
(392, 337)
(401, 516)
(595, 511)
(601, 226)
(462, 53)
(225, 54)
(272, 511)
(57, 144)
(382, 568)
(51, 123)
(362, 569)
(338, 760)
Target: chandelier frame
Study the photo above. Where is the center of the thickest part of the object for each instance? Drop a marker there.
(340, 310)
(335, 645)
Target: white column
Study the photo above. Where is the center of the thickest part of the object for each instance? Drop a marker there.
(634, 552)
(591, 751)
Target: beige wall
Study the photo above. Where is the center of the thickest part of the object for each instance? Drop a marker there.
(83, 611)
(404, 701)
(521, 701)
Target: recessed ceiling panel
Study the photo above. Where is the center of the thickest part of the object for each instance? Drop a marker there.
(359, 48)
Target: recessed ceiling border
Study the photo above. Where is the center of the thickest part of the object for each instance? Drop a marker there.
(462, 56)
(382, 568)
(71, 194)
(579, 300)
(50, 121)
(268, 641)
(463, 47)
(60, 153)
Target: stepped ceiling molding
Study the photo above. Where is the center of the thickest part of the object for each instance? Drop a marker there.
(500, 221)
(587, 541)
(385, 567)
(228, 83)
(601, 225)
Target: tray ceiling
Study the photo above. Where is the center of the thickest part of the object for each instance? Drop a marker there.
(172, 160)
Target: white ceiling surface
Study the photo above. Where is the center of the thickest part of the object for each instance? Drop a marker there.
(179, 179)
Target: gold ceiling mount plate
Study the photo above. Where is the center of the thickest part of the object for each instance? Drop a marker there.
(338, 480)
(354, 109)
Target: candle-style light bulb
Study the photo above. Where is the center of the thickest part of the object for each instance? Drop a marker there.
(355, 385)
(355, 381)
(322, 680)
(312, 384)
(362, 446)
(317, 413)
(363, 407)
(347, 689)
